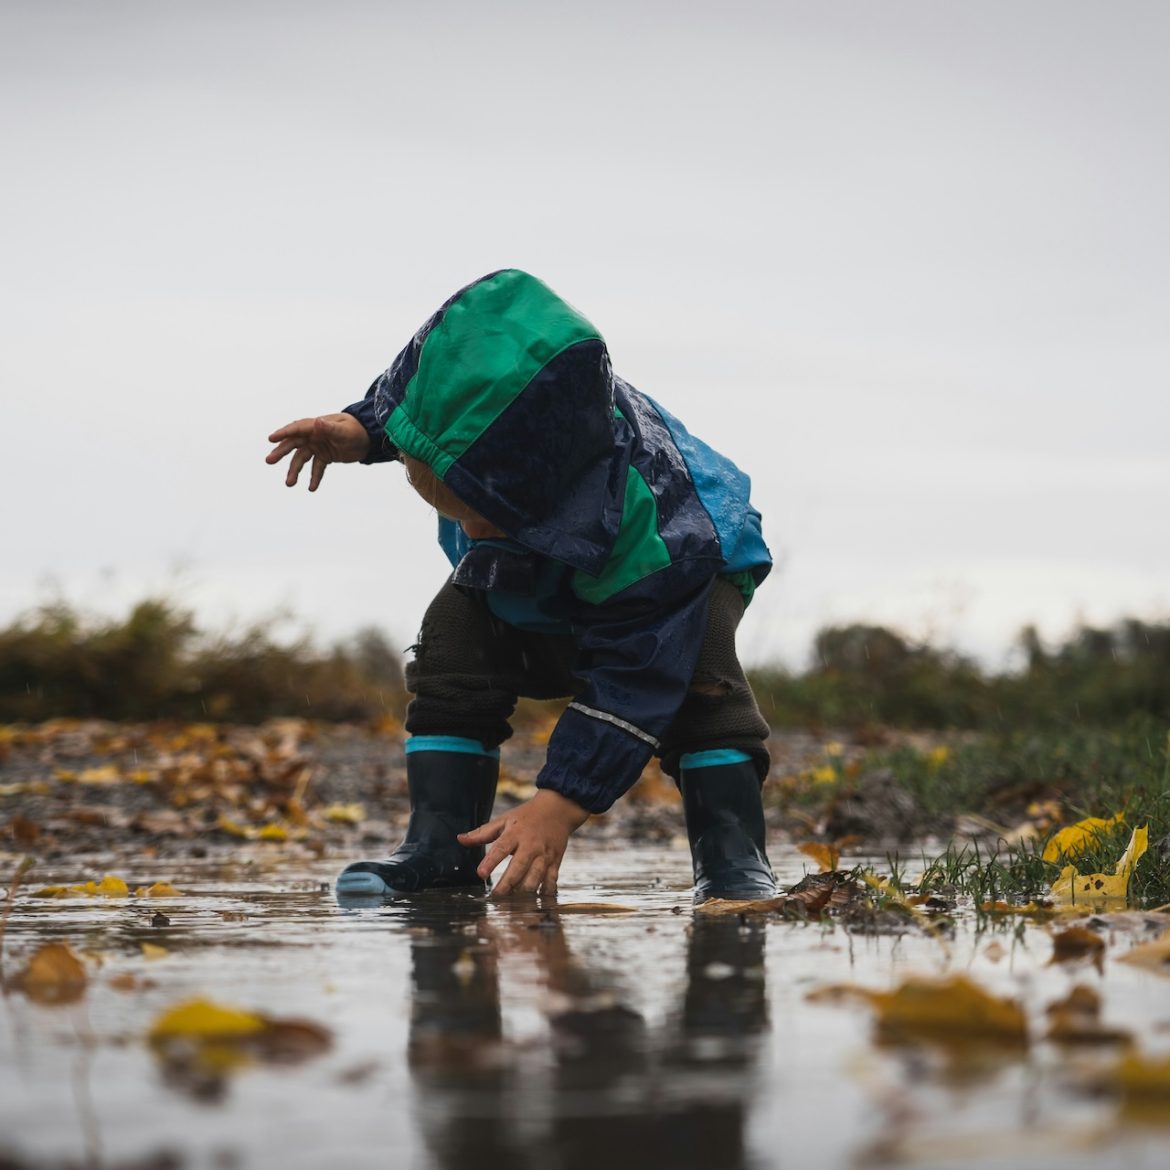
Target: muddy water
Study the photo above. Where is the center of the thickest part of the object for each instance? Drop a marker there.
(480, 1035)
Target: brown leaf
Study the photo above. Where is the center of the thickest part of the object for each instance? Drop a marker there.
(1076, 1019)
(1078, 942)
(23, 831)
(54, 975)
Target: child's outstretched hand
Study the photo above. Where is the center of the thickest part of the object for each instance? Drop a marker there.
(535, 835)
(328, 438)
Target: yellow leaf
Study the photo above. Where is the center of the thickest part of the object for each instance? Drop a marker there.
(947, 1009)
(1144, 1078)
(1098, 888)
(65, 774)
(154, 951)
(54, 975)
(53, 892)
(345, 814)
(141, 776)
(229, 826)
(826, 774)
(105, 774)
(158, 890)
(272, 833)
(826, 856)
(1075, 839)
(200, 1019)
(111, 887)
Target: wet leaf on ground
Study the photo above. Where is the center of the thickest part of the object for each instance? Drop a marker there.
(1101, 889)
(1072, 841)
(54, 975)
(1078, 942)
(200, 1042)
(954, 1010)
(1154, 956)
(1076, 1019)
(158, 890)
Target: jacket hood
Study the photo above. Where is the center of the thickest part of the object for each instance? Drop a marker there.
(506, 393)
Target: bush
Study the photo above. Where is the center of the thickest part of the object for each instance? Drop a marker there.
(156, 664)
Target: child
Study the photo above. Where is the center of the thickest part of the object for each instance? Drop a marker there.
(600, 552)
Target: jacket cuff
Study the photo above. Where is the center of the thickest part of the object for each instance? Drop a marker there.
(591, 761)
(381, 449)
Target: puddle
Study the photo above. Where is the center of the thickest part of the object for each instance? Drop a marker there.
(466, 1033)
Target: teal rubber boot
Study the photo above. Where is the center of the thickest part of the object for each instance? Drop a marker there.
(452, 784)
(725, 826)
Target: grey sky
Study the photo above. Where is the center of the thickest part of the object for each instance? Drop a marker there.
(906, 262)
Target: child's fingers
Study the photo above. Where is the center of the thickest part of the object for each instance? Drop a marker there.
(294, 468)
(501, 849)
(550, 878)
(518, 867)
(278, 453)
(293, 430)
(486, 832)
(318, 472)
(535, 875)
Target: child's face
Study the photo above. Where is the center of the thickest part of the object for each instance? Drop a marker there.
(446, 503)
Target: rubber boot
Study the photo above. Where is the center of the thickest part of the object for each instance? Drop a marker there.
(725, 826)
(452, 784)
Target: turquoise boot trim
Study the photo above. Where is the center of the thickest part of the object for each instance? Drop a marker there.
(450, 743)
(715, 758)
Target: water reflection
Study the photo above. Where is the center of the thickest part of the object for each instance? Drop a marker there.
(605, 1086)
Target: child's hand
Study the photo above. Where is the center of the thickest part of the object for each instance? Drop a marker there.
(535, 834)
(328, 438)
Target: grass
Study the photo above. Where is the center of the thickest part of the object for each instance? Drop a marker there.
(1039, 782)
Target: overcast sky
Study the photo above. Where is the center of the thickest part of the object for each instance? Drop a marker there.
(906, 262)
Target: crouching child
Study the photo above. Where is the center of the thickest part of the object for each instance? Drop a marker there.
(600, 553)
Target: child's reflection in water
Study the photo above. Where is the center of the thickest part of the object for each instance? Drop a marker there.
(611, 1092)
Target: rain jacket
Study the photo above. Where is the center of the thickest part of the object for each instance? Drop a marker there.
(619, 521)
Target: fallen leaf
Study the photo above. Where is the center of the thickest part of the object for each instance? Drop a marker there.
(109, 887)
(158, 890)
(23, 831)
(154, 951)
(1154, 955)
(825, 855)
(103, 774)
(344, 814)
(1072, 841)
(54, 975)
(1099, 888)
(1076, 1019)
(718, 906)
(1026, 909)
(200, 1041)
(201, 1019)
(951, 1010)
(1142, 1077)
(127, 981)
(1078, 942)
(272, 833)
